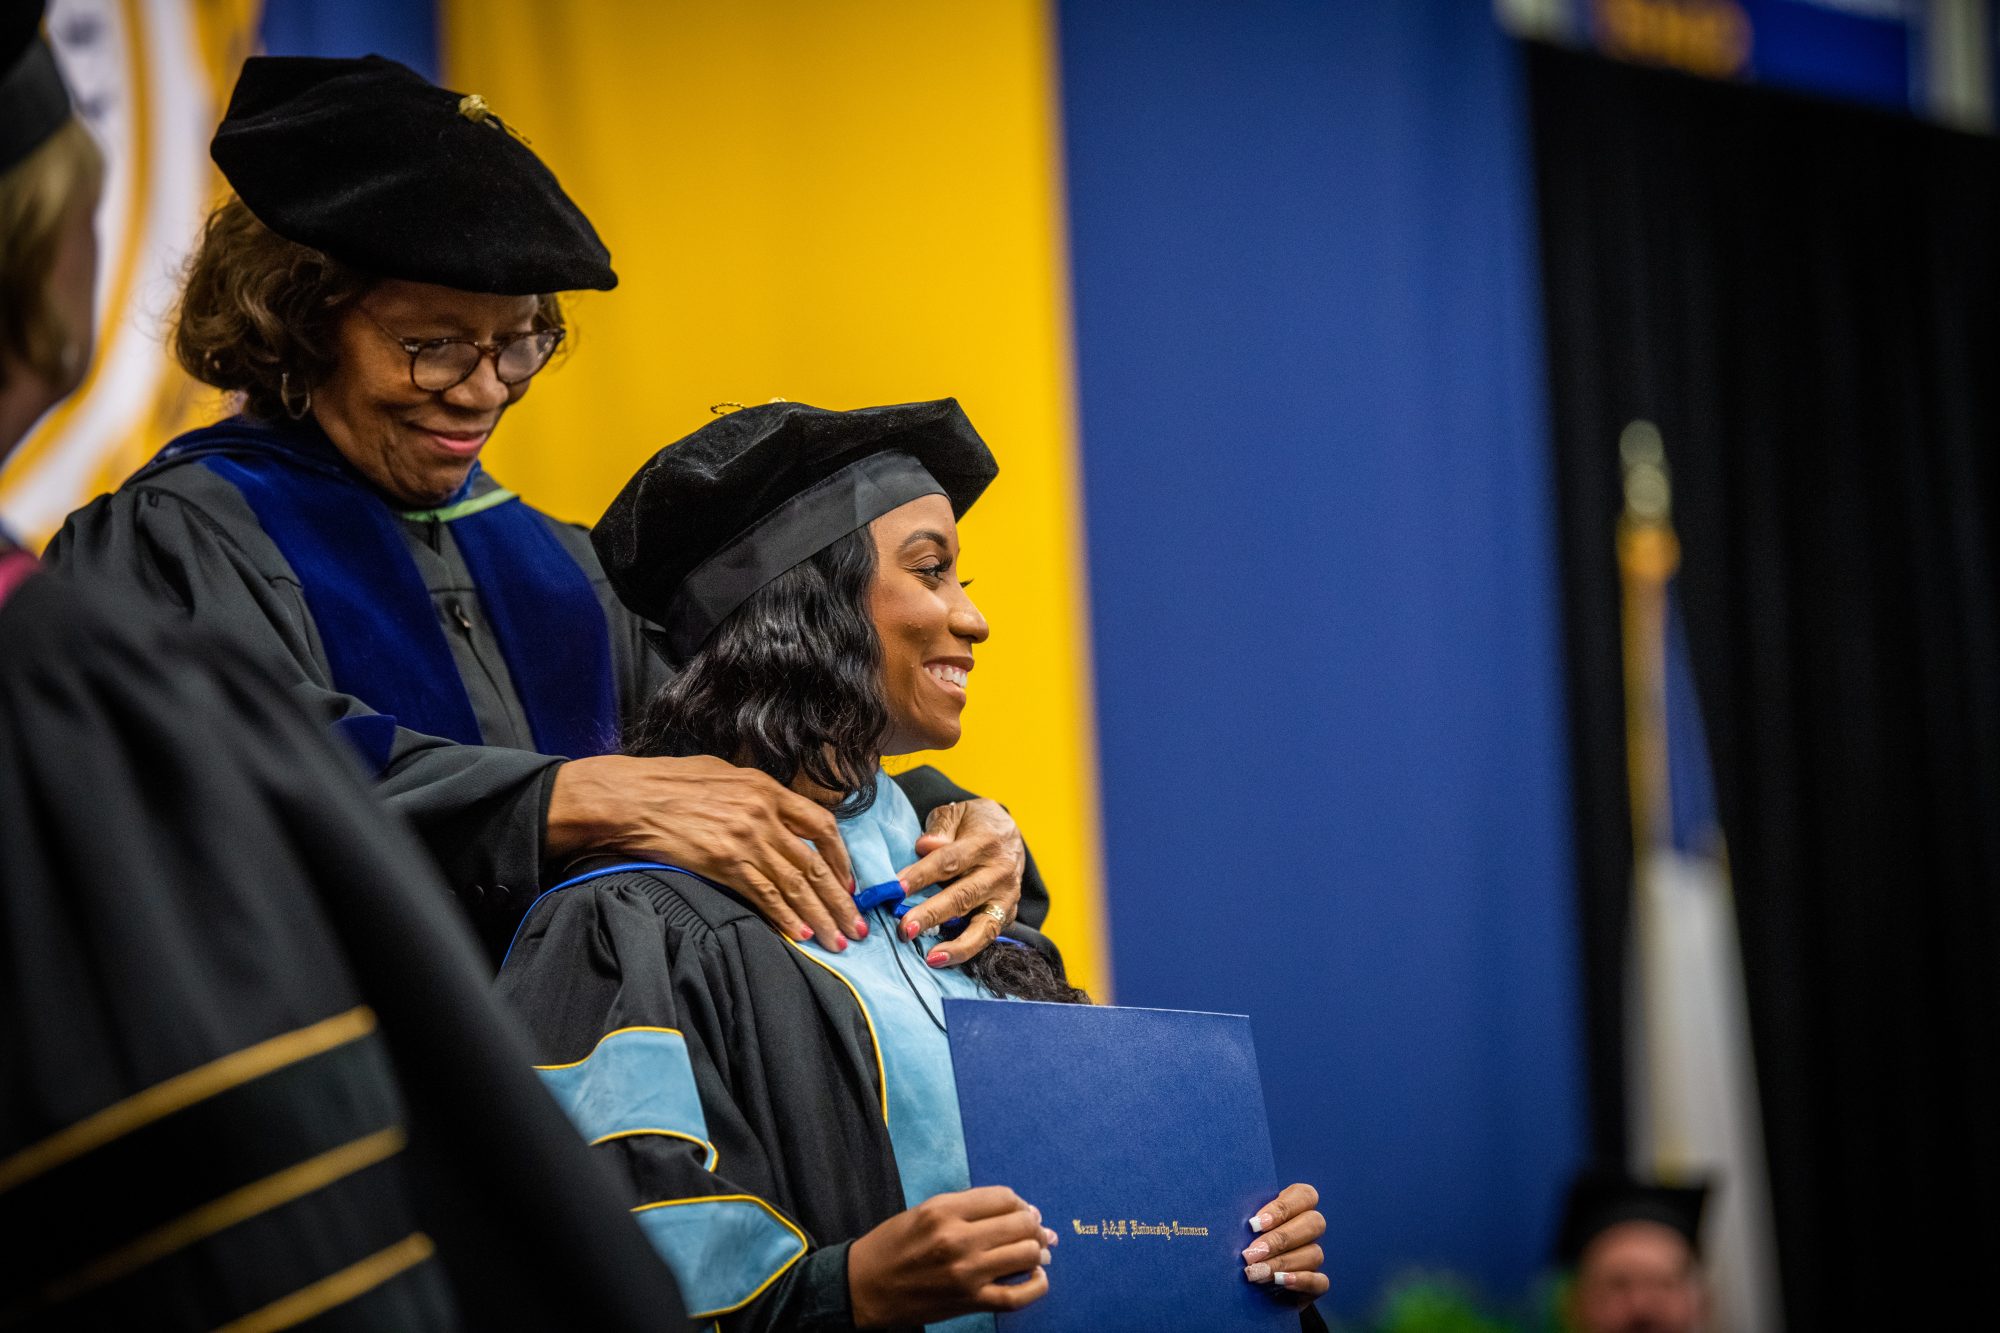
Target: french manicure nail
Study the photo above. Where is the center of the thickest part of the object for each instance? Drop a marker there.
(1283, 1279)
(1036, 1211)
(1049, 1238)
(1258, 1272)
(937, 958)
(1260, 1221)
(1046, 1256)
(1257, 1250)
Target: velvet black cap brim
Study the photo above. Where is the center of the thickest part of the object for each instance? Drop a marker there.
(703, 496)
(370, 163)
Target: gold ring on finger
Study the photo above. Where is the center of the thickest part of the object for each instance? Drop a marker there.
(996, 912)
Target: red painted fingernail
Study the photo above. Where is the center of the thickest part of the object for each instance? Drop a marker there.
(910, 930)
(804, 933)
(839, 943)
(852, 887)
(859, 930)
(937, 958)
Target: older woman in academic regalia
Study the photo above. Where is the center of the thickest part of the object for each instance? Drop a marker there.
(250, 1072)
(381, 287)
(784, 1116)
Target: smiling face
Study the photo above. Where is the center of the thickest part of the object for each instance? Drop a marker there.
(416, 447)
(926, 623)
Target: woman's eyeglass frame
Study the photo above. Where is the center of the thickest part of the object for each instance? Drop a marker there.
(493, 351)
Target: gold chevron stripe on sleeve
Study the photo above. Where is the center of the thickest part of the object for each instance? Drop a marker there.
(239, 1205)
(183, 1090)
(336, 1289)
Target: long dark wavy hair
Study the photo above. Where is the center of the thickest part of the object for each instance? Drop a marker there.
(791, 684)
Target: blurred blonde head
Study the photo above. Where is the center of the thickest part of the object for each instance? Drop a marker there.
(48, 259)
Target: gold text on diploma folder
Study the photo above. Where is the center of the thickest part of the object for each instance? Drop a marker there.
(1125, 1228)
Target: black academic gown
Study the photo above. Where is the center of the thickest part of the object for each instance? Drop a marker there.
(790, 1094)
(248, 1059)
(183, 538)
(651, 975)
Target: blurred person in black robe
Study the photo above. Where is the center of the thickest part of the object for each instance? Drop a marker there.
(249, 1073)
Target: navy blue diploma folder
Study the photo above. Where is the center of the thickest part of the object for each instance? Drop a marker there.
(1140, 1134)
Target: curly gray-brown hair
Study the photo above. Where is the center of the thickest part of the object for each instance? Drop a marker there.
(258, 313)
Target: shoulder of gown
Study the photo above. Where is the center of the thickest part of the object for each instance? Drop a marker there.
(719, 1075)
(221, 967)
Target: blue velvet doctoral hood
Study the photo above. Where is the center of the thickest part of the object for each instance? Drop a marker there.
(374, 613)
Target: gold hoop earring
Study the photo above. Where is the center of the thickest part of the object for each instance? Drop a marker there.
(285, 398)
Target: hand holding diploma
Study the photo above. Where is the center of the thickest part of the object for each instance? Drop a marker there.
(947, 1257)
(1286, 1252)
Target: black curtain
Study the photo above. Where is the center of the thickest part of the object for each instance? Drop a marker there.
(1805, 297)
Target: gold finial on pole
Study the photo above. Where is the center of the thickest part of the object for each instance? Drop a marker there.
(1648, 555)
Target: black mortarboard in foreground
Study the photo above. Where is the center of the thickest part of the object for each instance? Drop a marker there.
(1601, 1199)
(33, 102)
(369, 162)
(713, 517)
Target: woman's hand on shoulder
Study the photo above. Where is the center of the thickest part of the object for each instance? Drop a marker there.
(946, 1257)
(977, 844)
(733, 825)
(1286, 1253)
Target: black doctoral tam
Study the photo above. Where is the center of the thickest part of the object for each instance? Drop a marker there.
(371, 163)
(713, 517)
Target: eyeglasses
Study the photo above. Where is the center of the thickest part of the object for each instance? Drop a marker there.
(437, 364)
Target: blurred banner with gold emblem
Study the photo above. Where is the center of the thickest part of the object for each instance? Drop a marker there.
(150, 78)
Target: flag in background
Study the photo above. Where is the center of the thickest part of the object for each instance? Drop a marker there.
(1690, 1067)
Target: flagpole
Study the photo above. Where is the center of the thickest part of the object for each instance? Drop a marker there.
(1691, 1074)
(1648, 555)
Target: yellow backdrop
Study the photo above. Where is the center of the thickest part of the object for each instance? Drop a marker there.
(842, 204)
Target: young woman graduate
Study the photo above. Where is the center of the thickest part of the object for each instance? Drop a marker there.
(381, 288)
(784, 1116)
(251, 1076)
